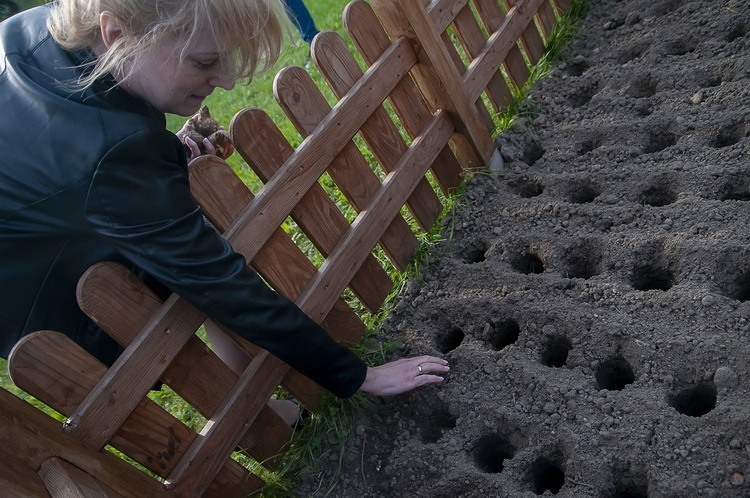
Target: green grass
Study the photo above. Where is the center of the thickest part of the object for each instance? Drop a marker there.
(328, 430)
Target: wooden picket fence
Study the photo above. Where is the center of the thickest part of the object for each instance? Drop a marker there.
(435, 88)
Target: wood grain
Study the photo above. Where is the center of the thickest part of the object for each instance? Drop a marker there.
(349, 170)
(500, 46)
(459, 102)
(30, 437)
(63, 479)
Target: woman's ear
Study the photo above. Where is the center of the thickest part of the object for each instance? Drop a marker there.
(110, 28)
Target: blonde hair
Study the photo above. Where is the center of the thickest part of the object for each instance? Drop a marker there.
(250, 30)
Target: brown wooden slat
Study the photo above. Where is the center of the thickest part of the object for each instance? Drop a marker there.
(530, 39)
(371, 40)
(547, 18)
(435, 94)
(197, 374)
(313, 156)
(472, 39)
(65, 480)
(30, 436)
(459, 103)
(55, 370)
(208, 454)
(137, 369)
(518, 69)
(491, 14)
(452, 51)
(340, 69)
(350, 171)
(17, 478)
(563, 5)
(363, 234)
(315, 212)
(443, 12)
(493, 19)
(500, 44)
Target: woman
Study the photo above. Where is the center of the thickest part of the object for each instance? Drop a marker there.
(88, 173)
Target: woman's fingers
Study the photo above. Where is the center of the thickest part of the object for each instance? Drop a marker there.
(425, 365)
(210, 149)
(194, 150)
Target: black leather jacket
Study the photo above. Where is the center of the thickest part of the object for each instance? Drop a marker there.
(94, 175)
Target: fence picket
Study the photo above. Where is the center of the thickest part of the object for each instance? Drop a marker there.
(547, 19)
(56, 371)
(338, 67)
(471, 37)
(530, 39)
(371, 41)
(458, 101)
(280, 261)
(349, 170)
(500, 46)
(494, 20)
(368, 226)
(206, 456)
(31, 436)
(63, 479)
(256, 222)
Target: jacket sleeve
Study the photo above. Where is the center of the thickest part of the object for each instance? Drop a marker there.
(140, 202)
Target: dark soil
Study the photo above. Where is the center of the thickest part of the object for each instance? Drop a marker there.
(594, 298)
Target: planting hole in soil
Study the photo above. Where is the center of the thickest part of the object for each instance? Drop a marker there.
(695, 401)
(528, 263)
(490, 453)
(555, 352)
(652, 277)
(614, 374)
(505, 333)
(449, 340)
(547, 475)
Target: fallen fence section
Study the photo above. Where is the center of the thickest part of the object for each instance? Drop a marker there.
(444, 68)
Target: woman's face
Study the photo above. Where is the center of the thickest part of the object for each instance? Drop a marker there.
(179, 85)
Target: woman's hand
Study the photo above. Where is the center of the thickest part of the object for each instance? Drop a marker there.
(404, 375)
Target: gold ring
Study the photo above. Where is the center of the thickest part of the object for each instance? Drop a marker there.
(419, 367)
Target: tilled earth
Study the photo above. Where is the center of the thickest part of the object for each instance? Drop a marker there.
(594, 298)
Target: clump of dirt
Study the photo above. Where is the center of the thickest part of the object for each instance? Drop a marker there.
(593, 299)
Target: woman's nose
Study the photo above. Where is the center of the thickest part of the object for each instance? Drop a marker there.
(223, 80)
